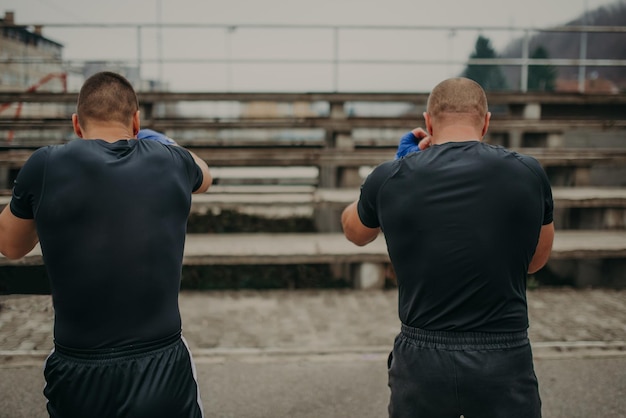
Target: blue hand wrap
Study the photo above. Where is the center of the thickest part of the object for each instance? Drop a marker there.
(150, 135)
(408, 144)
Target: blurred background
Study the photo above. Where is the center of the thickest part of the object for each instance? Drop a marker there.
(292, 103)
(281, 45)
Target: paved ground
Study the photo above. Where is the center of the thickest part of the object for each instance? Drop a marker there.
(300, 354)
(239, 322)
(341, 387)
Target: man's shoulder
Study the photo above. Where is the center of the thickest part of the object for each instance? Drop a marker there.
(70, 146)
(505, 153)
(73, 146)
(386, 168)
(519, 162)
(39, 156)
(498, 149)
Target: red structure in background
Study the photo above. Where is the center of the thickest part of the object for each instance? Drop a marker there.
(44, 80)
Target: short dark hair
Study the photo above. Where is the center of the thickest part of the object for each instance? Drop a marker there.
(106, 97)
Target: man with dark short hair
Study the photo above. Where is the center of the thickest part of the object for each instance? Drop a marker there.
(464, 223)
(110, 213)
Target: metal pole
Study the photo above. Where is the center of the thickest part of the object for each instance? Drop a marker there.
(525, 54)
(583, 53)
(229, 57)
(139, 55)
(159, 44)
(336, 59)
(581, 68)
(449, 65)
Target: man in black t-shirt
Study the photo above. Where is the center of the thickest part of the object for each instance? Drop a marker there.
(464, 223)
(110, 213)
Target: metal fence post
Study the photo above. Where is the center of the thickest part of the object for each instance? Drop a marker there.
(139, 51)
(336, 59)
(525, 57)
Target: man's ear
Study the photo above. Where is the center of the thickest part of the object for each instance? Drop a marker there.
(136, 124)
(428, 123)
(77, 129)
(486, 124)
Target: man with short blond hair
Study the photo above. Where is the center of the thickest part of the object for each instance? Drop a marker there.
(464, 223)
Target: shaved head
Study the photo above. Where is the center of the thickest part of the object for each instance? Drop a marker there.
(457, 98)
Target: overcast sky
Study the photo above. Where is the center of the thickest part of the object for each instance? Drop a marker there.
(435, 41)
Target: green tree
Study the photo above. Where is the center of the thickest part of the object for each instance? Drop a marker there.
(541, 77)
(490, 77)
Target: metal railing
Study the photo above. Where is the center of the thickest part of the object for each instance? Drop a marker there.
(332, 55)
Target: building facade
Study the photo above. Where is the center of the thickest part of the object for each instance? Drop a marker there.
(28, 59)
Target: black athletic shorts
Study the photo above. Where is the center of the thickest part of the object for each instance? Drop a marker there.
(156, 380)
(448, 374)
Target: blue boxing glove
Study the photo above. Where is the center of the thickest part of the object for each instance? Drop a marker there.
(150, 135)
(408, 144)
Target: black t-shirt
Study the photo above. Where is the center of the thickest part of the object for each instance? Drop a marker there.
(111, 220)
(462, 222)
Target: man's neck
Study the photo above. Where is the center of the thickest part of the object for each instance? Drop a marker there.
(455, 133)
(108, 133)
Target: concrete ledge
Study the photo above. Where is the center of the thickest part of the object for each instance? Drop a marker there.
(318, 248)
(587, 197)
(235, 197)
(296, 156)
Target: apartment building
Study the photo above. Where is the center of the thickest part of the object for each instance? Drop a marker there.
(27, 58)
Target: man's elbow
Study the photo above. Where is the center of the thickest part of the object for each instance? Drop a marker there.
(353, 228)
(17, 250)
(540, 259)
(543, 250)
(207, 180)
(534, 266)
(360, 237)
(202, 189)
(12, 253)
(360, 241)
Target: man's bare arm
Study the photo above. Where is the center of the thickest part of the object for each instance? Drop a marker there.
(17, 236)
(207, 179)
(544, 248)
(354, 229)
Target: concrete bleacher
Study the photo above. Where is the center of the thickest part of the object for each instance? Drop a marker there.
(608, 204)
(367, 263)
(318, 178)
(583, 245)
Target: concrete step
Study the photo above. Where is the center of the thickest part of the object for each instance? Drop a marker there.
(233, 197)
(315, 248)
